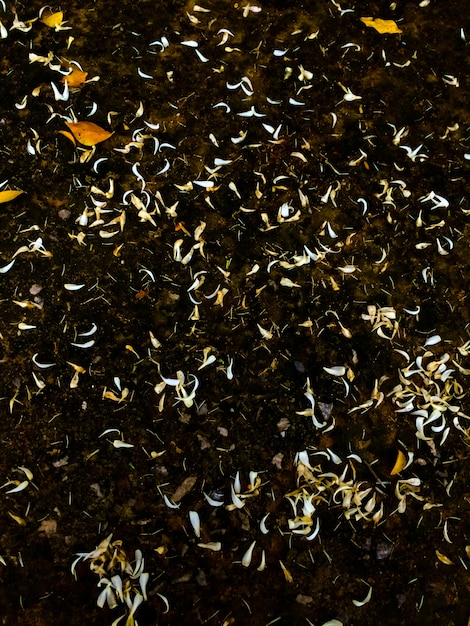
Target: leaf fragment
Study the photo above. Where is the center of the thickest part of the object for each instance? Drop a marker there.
(287, 574)
(384, 27)
(69, 136)
(443, 559)
(399, 463)
(19, 520)
(75, 78)
(88, 133)
(53, 19)
(9, 194)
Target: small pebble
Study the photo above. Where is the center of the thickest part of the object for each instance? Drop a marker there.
(64, 214)
(35, 289)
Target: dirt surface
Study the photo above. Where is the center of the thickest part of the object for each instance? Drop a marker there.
(234, 317)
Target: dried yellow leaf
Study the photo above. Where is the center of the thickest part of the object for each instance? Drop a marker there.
(383, 27)
(334, 284)
(9, 194)
(399, 463)
(110, 395)
(19, 520)
(287, 574)
(443, 559)
(88, 133)
(78, 368)
(53, 19)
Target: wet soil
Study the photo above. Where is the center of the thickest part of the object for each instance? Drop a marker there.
(274, 170)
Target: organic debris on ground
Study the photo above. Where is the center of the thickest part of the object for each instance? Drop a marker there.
(234, 330)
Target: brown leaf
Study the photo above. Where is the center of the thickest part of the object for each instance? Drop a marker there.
(88, 133)
(9, 194)
(185, 487)
(381, 26)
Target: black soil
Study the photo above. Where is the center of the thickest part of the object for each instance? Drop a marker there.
(333, 164)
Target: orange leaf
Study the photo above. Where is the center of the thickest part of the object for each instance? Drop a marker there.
(53, 19)
(75, 78)
(9, 194)
(381, 26)
(399, 463)
(181, 226)
(69, 136)
(87, 133)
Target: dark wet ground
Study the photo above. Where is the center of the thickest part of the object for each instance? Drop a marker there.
(327, 171)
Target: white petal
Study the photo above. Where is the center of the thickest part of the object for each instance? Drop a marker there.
(337, 370)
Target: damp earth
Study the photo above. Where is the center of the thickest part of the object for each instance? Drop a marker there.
(234, 317)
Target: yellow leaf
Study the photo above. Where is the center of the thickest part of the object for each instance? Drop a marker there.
(399, 463)
(443, 559)
(53, 19)
(110, 395)
(381, 26)
(287, 574)
(78, 368)
(88, 133)
(19, 520)
(75, 78)
(10, 194)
